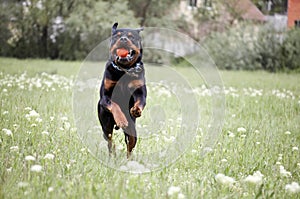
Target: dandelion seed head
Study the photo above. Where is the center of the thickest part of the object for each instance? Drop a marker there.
(256, 178)
(294, 187)
(181, 196)
(49, 156)
(173, 190)
(230, 134)
(23, 184)
(241, 130)
(50, 189)
(64, 118)
(45, 133)
(39, 120)
(36, 168)
(14, 148)
(7, 132)
(30, 158)
(28, 109)
(67, 125)
(287, 133)
(223, 179)
(284, 172)
(295, 148)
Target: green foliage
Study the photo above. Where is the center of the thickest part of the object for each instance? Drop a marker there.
(154, 13)
(30, 29)
(291, 50)
(89, 25)
(249, 47)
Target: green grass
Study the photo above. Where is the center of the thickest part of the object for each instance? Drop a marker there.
(266, 105)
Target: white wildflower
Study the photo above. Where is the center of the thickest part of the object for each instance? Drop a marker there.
(36, 168)
(49, 156)
(33, 113)
(30, 158)
(67, 125)
(7, 132)
(23, 184)
(256, 131)
(181, 196)
(5, 112)
(39, 120)
(293, 187)
(230, 134)
(287, 133)
(65, 118)
(256, 178)
(45, 133)
(243, 136)
(295, 148)
(173, 190)
(224, 160)
(28, 109)
(14, 148)
(194, 151)
(223, 179)
(241, 130)
(284, 172)
(208, 150)
(50, 189)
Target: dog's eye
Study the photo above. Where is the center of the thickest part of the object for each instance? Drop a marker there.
(130, 36)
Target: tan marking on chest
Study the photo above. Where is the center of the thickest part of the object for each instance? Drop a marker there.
(109, 83)
(136, 83)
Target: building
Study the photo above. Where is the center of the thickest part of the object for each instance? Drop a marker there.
(293, 13)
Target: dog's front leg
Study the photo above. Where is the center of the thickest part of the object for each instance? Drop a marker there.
(109, 105)
(139, 96)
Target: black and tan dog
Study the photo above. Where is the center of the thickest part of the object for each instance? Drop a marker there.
(123, 90)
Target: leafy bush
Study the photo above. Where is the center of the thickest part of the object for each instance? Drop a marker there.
(252, 47)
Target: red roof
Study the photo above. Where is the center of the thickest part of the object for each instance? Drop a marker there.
(248, 10)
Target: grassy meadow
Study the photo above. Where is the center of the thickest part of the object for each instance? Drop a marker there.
(256, 155)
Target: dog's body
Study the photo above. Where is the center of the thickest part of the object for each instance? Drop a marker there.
(123, 89)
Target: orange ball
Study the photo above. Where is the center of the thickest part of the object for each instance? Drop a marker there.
(122, 52)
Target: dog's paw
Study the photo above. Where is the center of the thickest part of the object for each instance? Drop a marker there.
(136, 111)
(121, 120)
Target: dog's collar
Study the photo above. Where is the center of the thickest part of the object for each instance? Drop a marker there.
(131, 71)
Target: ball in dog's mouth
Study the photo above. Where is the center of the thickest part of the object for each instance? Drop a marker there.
(124, 54)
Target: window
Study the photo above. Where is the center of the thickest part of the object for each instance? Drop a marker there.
(193, 3)
(297, 23)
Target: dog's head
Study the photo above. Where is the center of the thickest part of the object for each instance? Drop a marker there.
(126, 48)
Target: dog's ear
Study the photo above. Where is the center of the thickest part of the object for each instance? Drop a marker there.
(139, 29)
(114, 28)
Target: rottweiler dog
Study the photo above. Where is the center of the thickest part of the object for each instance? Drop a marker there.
(123, 89)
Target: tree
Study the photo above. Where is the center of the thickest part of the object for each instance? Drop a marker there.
(154, 12)
(65, 29)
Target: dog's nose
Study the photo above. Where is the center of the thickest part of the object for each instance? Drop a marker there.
(123, 39)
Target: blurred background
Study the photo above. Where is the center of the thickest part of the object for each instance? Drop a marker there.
(238, 34)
